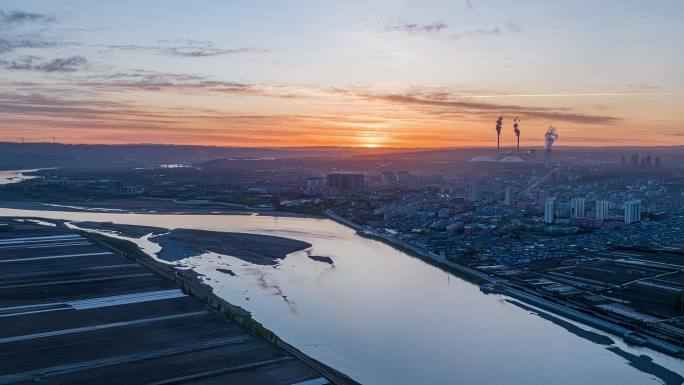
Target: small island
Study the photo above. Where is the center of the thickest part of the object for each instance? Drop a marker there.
(320, 258)
(254, 248)
(178, 244)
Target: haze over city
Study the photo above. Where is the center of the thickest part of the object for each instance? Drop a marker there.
(360, 74)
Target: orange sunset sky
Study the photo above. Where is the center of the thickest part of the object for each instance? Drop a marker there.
(319, 73)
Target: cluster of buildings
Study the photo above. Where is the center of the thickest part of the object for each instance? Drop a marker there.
(518, 212)
(336, 182)
(578, 211)
(354, 181)
(636, 161)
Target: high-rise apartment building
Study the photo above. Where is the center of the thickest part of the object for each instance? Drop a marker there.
(550, 210)
(632, 211)
(577, 207)
(602, 208)
(346, 181)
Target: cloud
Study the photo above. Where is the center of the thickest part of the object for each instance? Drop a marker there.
(68, 64)
(496, 31)
(414, 28)
(443, 106)
(164, 82)
(440, 29)
(208, 51)
(19, 17)
(442, 102)
(30, 63)
(10, 43)
(143, 80)
(20, 29)
(645, 85)
(186, 48)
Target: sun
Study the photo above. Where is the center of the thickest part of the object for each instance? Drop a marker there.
(373, 139)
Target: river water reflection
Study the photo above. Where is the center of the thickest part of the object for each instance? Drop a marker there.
(384, 317)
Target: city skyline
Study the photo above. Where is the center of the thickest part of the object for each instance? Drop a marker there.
(384, 74)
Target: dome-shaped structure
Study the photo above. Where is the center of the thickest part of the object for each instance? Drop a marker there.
(511, 159)
(483, 158)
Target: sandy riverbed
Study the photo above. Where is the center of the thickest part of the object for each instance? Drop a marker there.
(178, 244)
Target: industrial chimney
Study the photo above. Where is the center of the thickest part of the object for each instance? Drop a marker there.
(499, 125)
(550, 137)
(516, 129)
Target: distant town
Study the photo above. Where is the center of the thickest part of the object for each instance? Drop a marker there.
(599, 231)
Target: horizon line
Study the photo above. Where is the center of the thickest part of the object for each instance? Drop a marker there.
(338, 147)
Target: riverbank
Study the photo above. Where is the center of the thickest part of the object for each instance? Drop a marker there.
(146, 206)
(521, 294)
(465, 272)
(525, 296)
(643, 363)
(191, 284)
(132, 231)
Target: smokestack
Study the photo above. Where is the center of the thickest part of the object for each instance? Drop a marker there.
(499, 125)
(550, 137)
(516, 129)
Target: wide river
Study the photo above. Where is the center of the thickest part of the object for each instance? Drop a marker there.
(384, 317)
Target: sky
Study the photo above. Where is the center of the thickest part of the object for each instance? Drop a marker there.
(342, 73)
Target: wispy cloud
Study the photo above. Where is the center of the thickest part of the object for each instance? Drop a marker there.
(496, 31)
(208, 51)
(568, 95)
(9, 43)
(441, 30)
(186, 48)
(20, 29)
(443, 102)
(143, 80)
(644, 85)
(19, 17)
(194, 48)
(441, 105)
(414, 28)
(33, 63)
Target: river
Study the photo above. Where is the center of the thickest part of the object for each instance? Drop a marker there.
(15, 176)
(384, 317)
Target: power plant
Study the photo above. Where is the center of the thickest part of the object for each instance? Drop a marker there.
(510, 156)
